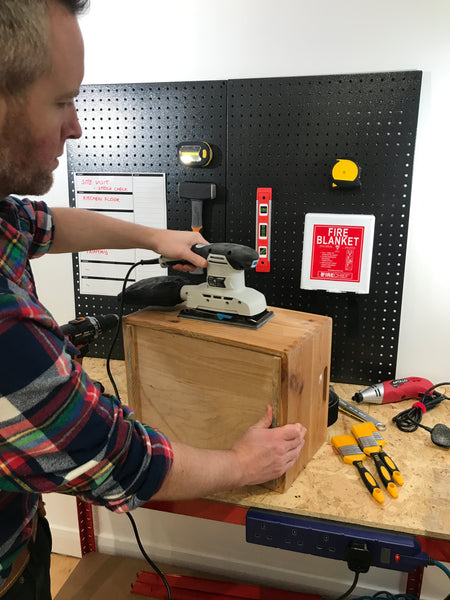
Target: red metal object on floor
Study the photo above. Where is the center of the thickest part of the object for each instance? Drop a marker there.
(193, 588)
(86, 527)
(414, 582)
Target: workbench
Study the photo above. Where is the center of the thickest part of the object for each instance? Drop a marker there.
(331, 490)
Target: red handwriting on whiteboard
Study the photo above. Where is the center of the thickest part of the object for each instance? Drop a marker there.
(102, 252)
(93, 198)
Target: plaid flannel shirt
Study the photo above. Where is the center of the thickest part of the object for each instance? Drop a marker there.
(58, 431)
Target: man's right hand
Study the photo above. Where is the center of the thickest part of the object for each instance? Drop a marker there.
(264, 454)
(260, 455)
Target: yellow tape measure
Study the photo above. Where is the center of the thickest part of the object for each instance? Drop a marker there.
(345, 174)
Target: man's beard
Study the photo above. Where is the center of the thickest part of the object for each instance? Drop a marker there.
(18, 174)
(22, 181)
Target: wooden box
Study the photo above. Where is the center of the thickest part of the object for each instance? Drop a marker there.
(204, 383)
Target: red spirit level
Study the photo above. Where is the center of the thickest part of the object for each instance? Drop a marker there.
(263, 226)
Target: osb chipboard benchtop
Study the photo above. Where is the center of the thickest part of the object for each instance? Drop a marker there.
(329, 489)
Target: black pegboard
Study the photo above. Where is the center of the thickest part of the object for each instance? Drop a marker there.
(136, 128)
(286, 133)
(283, 133)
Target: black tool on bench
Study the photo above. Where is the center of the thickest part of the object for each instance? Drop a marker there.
(410, 420)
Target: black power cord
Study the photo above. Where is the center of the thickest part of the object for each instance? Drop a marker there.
(359, 559)
(116, 392)
(409, 420)
(153, 261)
(147, 557)
(351, 588)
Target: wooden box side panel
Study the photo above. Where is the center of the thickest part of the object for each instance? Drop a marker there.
(132, 370)
(305, 383)
(200, 392)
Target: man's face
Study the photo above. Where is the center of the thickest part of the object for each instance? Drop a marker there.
(35, 127)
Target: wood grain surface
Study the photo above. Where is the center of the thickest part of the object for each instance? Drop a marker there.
(204, 384)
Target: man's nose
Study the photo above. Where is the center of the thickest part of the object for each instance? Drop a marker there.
(73, 128)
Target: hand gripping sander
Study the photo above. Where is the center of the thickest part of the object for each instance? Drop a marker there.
(222, 298)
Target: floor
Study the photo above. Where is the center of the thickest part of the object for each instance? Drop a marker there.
(61, 568)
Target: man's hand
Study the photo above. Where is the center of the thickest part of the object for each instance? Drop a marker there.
(177, 245)
(260, 455)
(264, 454)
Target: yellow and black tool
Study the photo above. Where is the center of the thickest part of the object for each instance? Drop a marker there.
(371, 441)
(345, 174)
(351, 454)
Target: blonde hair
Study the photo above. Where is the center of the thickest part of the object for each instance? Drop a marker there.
(24, 53)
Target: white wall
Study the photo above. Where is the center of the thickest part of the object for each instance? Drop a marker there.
(174, 40)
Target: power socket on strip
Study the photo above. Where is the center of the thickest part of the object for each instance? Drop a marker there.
(388, 550)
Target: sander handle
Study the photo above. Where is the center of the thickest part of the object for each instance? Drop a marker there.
(238, 256)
